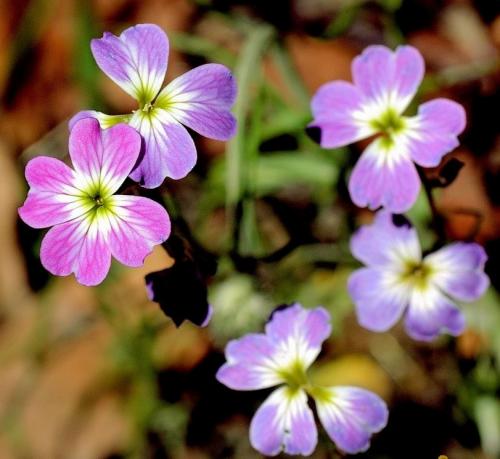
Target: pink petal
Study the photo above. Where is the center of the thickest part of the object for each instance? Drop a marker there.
(137, 224)
(104, 158)
(50, 174)
(79, 247)
(43, 209)
(53, 197)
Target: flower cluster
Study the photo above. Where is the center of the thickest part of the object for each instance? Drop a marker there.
(90, 222)
(397, 276)
(281, 357)
(200, 99)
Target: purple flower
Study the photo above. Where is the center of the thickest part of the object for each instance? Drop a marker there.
(281, 356)
(90, 223)
(200, 99)
(384, 84)
(397, 278)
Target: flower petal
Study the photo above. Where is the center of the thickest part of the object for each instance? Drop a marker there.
(433, 132)
(299, 333)
(136, 60)
(169, 150)
(334, 108)
(384, 176)
(43, 209)
(408, 74)
(350, 415)
(105, 121)
(384, 244)
(103, 158)
(251, 364)
(284, 422)
(379, 301)
(50, 174)
(458, 270)
(53, 197)
(77, 246)
(372, 72)
(201, 99)
(137, 224)
(430, 314)
(388, 79)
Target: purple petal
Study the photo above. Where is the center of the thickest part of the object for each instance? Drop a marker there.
(372, 72)
(169, 150)
(201, 99)
(299, 332)
(334, 107)
(379, 305)
(430, 314)
(384, 176)
(388, 79)
(77, 246)
(136, 60)
(251, 364)
(458, 269)
(350, 415)
(103, 157)
(433, 132)
(382, 243)
(284, 422)
(105, 121)
(408, 74)
(137, 224)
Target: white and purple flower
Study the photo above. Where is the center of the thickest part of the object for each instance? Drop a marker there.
(398, 279)
(200, 99)
(89, 222)
(384, 83)
(281, 356)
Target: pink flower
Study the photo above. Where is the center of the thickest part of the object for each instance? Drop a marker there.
(89, 222)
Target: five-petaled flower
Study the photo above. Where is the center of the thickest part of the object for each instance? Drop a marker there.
(398, 278)
(200, 99)
(282, 356)
(91, 223)
(384, 84)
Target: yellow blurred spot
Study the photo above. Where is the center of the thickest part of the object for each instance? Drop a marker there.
(353, 370)
(443, 457)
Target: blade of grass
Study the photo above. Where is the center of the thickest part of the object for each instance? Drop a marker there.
(247, 72)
